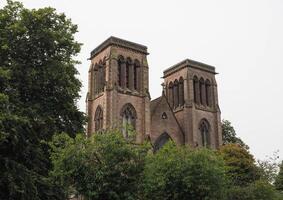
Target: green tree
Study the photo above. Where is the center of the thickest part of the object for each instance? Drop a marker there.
(259, 190)
(240, 164)
(269, 167)
(279, 179)
(38, 94)
(180, 173)
(229, 135)
(104, 166)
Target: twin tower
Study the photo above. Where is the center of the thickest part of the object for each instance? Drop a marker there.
(118, 97)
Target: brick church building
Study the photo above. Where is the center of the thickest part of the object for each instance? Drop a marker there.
(187, 111)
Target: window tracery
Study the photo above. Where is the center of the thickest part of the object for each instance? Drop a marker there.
(98, 118)
(204, 133)
(129, 117)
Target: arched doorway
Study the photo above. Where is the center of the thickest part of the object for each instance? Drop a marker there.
(161, 141)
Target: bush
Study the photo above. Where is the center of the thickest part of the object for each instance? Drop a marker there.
(241, 166)
(259, 190)
(180, 173)
(104, 166)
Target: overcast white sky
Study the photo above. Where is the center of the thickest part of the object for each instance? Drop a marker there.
(243, 39)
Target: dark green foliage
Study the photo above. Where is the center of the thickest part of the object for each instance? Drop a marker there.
(38, 93)
(37, 47)
(180, 173)
(258, 190)
(240, 164)
(104, 166)
(229, 135)
(279, 179)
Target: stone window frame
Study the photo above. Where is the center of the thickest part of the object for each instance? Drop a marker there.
(176, 93)
(171, 94)
(205, 132)
(203, 91)
(196, 89)
(128, 115)
(121, 62)
(164, 115)
(129, 74)
(161, 141)
(181, 91)
(99, 76)
(208, 92)
(98, 118)
(137, 75)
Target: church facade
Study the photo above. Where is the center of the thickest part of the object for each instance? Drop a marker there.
(187, 111)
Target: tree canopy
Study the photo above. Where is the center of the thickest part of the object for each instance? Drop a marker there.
(279, 179)
(104, 166)
(229, 135)
(180, 173)
(240, 164)
(38, 95)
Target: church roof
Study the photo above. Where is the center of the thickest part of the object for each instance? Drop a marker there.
(188, 63)
(121, 43)
(154, 103)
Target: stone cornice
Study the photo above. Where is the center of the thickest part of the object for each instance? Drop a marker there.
(191, 64)
(121, 43)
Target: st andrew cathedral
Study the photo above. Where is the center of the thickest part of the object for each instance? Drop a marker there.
(187, 111)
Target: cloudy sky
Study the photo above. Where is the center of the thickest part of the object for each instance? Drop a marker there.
(243, 39)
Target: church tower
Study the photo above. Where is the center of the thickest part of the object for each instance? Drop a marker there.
(118, 94)
(190, 93)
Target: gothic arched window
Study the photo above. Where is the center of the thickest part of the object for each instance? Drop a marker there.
(129, 73)
(170, 94)
(181, 91)
(101, 76)
(161, 141)
(196, 90)
(204, 132)
(129, 116)
(208, 93)
(96, 78)
(121, 63)
(201, 91)
(137, 75)
(176, 94)
(98, 118)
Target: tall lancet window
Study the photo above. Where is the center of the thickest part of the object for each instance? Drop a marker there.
(137, 75)
(170, 94)
(129, 73)
(196, 90)
(204, 133)
(120, 75)
(208, 92)
(202, 91)
(129, 117)
(176, 94)
(98, 118)
(181, 91)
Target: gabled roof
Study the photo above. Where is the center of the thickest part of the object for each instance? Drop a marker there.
(162, 100)
(154, 103)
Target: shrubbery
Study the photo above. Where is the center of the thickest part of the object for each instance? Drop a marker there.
(181, 173)
(106, 166)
